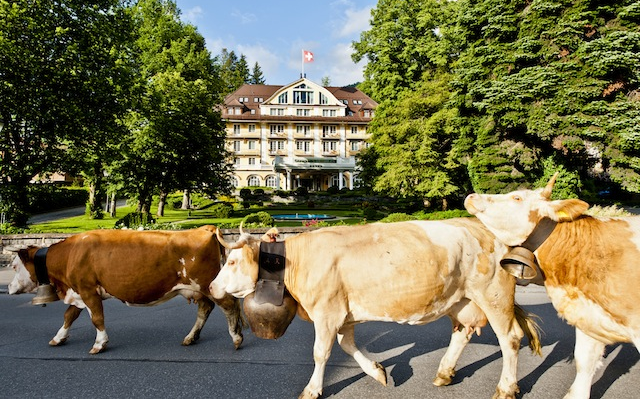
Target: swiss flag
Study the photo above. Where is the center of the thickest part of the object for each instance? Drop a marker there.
(307, 56)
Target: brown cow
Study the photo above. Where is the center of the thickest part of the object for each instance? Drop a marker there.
(407, 272)
(137, 267)
(588, 265)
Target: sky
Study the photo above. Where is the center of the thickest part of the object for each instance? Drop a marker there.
(275, 32)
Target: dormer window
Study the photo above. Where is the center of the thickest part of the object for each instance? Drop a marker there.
(282, 98)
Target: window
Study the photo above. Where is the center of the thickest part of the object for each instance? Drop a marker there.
(253, 112)
(234, 181)
(329, 130)
(303, 112)
(303, 130)
(355, 145)
(276, 111)
(258, 99)
(303, 146)
(252, 128)
(276, 129)
(354, 129)
(302, 97)
(282, 98)
(252, 161)
(328, 112)
(252, 144)
(236, 129)
(236, 161)
(271, 181)
(276, 145)
(238, 111)
(324, 99)
(367, 113)
(329, 146)
(253, 181)
(236, 145)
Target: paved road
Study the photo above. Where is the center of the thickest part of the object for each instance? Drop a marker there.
(145, 358)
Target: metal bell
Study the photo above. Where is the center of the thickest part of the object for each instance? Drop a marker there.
(519, 262)
(45, 294)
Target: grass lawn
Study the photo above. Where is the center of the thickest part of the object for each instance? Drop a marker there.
(186, 219)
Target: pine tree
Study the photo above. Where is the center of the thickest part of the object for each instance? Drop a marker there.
(257, 77)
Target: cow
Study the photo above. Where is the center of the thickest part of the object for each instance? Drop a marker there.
(138, 267)
(407, 272)
(587, 264)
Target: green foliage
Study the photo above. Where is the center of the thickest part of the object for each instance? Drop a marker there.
(222, 211)
(259, 219)
(135, 220)
(441, 215)
(397, 217)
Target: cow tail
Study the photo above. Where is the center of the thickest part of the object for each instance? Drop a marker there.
(528, 323)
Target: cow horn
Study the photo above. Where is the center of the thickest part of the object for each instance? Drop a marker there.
(241, 232)
(226, 244)
(546, 193)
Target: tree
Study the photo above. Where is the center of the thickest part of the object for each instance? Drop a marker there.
(177, 137)
(257, 77)
(412, 131)
(59, 78)
(406, 39)
(550, 81)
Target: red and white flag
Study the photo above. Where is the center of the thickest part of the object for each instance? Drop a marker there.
(307, 56)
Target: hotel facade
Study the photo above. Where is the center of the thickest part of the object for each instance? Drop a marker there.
(298, 135)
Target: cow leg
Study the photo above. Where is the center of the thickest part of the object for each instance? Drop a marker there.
(231, 308)
(70, 315)
(205, 306)
(348, 344)
(94, 306)
(588, 355)
(509, 333)
(447, 368)
(325, 336)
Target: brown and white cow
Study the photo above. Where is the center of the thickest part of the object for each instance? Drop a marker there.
(407, 272)
(137, 267)
(589, 265)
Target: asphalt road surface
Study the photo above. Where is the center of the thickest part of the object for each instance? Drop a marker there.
(145, 359)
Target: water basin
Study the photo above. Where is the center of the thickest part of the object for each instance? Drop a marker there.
(302, 216)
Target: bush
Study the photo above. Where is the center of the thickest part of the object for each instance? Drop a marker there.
(222, 211)
(440, 215)
(333, 190)
(260, 219)
(258, 192)
(301, 191)
(397, 217)
(370, 213)
(48, 197)
(135, 220)
(245, 193)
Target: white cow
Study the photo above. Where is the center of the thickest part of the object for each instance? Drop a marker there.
(589, 266)
(408, 272)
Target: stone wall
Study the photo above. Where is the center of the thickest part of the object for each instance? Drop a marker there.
(11, 242)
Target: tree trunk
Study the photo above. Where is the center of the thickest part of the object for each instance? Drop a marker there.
(186, 199)
(161, 202)
(112, 205)
(94, 207)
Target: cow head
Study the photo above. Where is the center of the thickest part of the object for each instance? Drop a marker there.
(24, 280)
(239, 274)
(513, 216)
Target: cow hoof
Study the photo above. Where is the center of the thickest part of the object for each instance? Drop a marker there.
(189, 340)
(238, 341)
(500, 394)
(381, 374)
(441, 381)
(98, 349)
(307, 394)
(53, 342)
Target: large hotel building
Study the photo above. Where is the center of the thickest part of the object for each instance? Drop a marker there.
(301, 134)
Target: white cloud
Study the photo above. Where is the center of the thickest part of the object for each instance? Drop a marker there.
(356, 21)
(245, 18)
(192, 15)
(341, 68)
(269, 62)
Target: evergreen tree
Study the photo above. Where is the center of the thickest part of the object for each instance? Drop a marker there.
(550, 83)
(257, 77)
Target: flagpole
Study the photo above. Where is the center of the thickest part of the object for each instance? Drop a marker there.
(302, 63)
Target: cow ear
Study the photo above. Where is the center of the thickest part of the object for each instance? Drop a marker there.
(567, 210)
